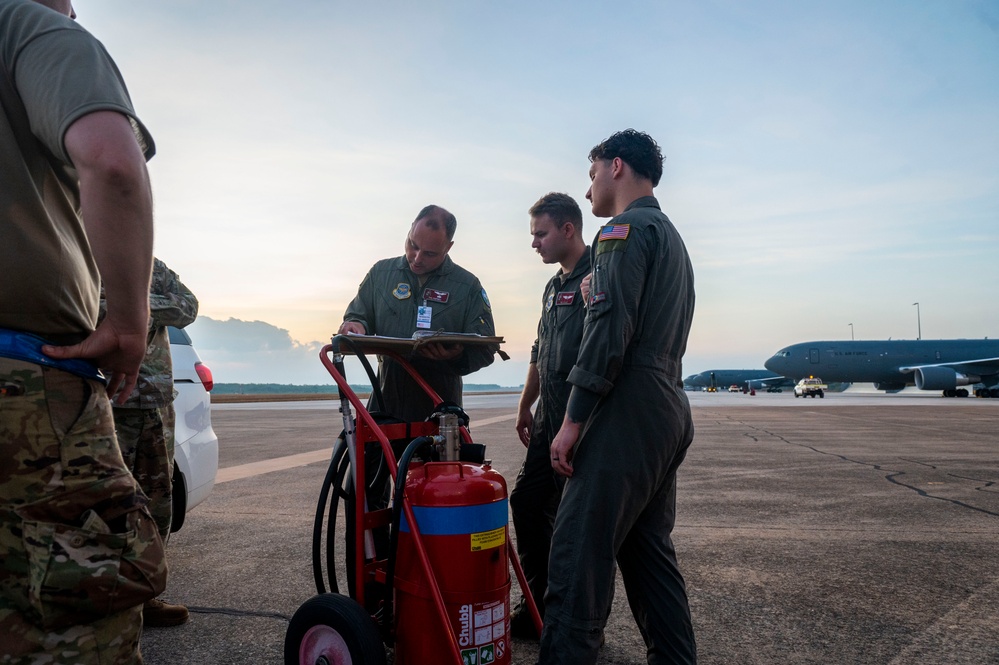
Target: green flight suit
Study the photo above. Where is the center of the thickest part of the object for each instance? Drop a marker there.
(386, 304)
(534, 499)
(620, 502)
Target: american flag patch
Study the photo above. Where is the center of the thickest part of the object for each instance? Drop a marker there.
(614, 232)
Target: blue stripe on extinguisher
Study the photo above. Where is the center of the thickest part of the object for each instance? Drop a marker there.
(458, 520)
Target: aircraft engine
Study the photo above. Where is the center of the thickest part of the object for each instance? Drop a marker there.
(889, 387)
(942, 378)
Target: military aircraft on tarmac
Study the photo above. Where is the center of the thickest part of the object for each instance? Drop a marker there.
(891, 365)
(748, 379)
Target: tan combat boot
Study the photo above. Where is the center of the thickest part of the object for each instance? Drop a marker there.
(157, 614)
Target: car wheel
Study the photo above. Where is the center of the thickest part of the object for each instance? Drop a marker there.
(330, 628)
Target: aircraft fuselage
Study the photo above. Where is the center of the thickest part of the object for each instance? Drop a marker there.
(890, 363)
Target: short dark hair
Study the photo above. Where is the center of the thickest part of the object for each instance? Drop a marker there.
(437, 217)
(637, 149)
(561, 208)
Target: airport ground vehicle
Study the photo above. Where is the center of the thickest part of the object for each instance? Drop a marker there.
(734, 389)
(746, 379)
(428, 573)
(196, 448)
(810, 387)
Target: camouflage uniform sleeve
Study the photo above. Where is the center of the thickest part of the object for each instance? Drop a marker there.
(616, 289)
(361, 307)
(170, 302)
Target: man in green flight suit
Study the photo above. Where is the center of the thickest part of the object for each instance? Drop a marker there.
(423, 290)
(557, 232)
(627, 425)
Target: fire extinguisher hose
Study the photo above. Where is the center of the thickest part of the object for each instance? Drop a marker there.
(339, 463)
(400, 487)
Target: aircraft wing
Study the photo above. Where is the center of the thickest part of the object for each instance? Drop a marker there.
(768, 382)
(980, 366)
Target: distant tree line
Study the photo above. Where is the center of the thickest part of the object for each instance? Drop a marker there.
(281, 389)
(319, 389)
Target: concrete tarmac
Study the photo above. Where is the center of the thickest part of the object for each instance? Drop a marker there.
(851, 529)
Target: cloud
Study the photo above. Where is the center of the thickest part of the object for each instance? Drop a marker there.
(827, 163)
(240, 351)
(256, 352)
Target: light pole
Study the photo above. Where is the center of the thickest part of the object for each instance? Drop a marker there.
(851, 331)
(919, 323)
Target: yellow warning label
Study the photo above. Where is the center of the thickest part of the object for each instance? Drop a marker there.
(488, 539)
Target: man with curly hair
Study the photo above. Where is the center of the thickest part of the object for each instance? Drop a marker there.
(627, 425)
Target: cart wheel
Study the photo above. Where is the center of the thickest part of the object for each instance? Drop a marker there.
(330, 629)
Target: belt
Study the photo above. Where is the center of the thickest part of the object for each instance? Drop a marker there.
(25, 346)
(649, 358)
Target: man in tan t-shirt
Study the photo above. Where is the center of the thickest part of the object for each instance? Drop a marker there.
(73, 523)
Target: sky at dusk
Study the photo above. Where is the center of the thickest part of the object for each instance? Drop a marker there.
(827, 164)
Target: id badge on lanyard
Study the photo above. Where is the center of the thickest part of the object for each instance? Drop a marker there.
(423, 314)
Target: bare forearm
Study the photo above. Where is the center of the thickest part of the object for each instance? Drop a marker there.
(116, 205)
(525, 419)
(117, 212)
(532, 388)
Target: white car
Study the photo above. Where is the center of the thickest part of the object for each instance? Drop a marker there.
(810, 387)
(196, 451)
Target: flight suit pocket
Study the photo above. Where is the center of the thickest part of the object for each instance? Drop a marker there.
(570, 326)
(78, 573)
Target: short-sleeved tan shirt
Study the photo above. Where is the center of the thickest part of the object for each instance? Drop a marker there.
(53, 73)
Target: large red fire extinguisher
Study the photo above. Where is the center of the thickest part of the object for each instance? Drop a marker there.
(461, 512)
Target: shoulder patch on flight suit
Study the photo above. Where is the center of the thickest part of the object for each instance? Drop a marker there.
(598, 297)
(485, 299)
(614, 232)
(402, 291)
(613, 238)
(550, 301)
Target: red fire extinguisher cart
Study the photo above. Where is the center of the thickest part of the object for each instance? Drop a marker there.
(426, 543)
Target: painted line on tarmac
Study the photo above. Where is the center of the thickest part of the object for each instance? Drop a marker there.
(251, 469)
(277, 464)
(493, 421)
(961, 633)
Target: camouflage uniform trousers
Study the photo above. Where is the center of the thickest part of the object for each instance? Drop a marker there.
(79, 553)
(145, 438)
